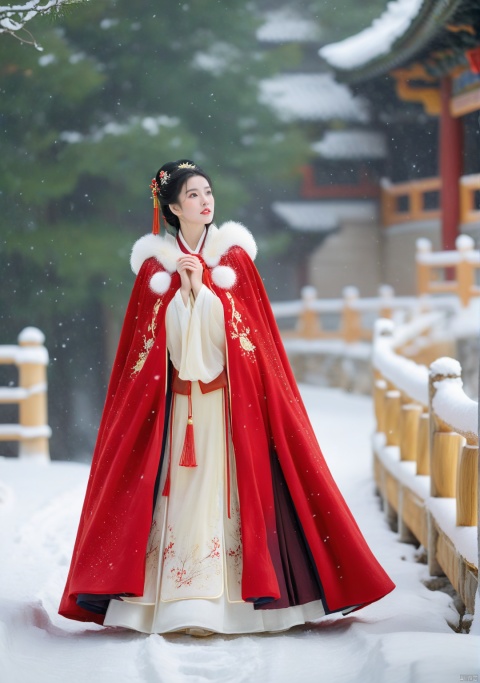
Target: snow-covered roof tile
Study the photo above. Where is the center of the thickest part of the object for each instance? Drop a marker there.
(351, 144)
(374, 41)
(322, 216)
(150, 124)
(312, 97)
(285, 25)
(217, 58)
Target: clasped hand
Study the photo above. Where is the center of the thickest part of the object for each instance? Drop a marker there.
(190, 270)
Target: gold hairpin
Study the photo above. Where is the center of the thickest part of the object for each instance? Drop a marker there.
(186, 164)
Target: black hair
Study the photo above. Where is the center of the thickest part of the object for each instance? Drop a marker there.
(170, 179)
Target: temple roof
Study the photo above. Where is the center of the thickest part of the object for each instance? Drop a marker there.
(351, 144)
(404, 29)
(323, 216)
(285, 25)
(312, 97)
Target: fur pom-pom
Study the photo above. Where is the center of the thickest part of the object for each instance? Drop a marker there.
(144, 248)
(160, 282)
(224, 277)
(230, 234)
(161, 248)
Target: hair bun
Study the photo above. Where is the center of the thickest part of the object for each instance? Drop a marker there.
(170, 179)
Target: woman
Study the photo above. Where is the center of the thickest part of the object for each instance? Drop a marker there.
(209, 507)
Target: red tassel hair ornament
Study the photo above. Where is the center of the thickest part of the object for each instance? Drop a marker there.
(156, 207)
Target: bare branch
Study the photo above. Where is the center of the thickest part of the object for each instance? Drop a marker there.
(14, 17)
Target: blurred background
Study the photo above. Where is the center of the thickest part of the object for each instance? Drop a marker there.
(296, 133)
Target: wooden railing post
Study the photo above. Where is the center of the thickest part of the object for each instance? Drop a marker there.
(409, 421)
(392, 417)
(33, 408)
(466, 203)
(467, 486)
(465, 268)
(443, 464)
(444, 444)
(423, 445)
(387, 295)
(424, 247)
(379, 391)
(351, 320)
(388, 201)
(308, 323)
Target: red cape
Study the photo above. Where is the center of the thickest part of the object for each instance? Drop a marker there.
(268, 420)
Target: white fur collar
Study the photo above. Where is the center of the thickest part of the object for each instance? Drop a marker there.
(218, 242)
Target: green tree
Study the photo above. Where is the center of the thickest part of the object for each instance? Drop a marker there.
(118, 90)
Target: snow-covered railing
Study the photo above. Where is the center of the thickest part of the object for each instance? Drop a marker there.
(310, 309)
(409, 201)
(330, 342)
(349, 310)
(31, 359)
(464, 260)
(426, 457)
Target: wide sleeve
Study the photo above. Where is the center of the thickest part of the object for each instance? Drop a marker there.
(196, 336)
(177, 321)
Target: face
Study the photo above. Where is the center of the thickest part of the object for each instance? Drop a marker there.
(195, 203)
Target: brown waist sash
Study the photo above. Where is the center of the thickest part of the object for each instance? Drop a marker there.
(184, 386)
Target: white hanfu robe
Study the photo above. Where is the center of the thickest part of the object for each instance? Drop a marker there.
(194, 554)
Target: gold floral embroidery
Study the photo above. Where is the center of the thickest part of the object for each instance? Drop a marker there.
(239, 330)
(147, 343)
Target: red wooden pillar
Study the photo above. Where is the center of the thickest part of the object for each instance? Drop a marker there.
(451, 167)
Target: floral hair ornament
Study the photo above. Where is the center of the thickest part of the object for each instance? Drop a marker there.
(156, 207)
(164, 177)
(187, 164)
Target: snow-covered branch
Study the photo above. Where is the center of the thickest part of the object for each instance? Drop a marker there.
(14, 17)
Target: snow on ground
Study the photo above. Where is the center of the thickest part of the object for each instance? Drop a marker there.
(403, 638)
